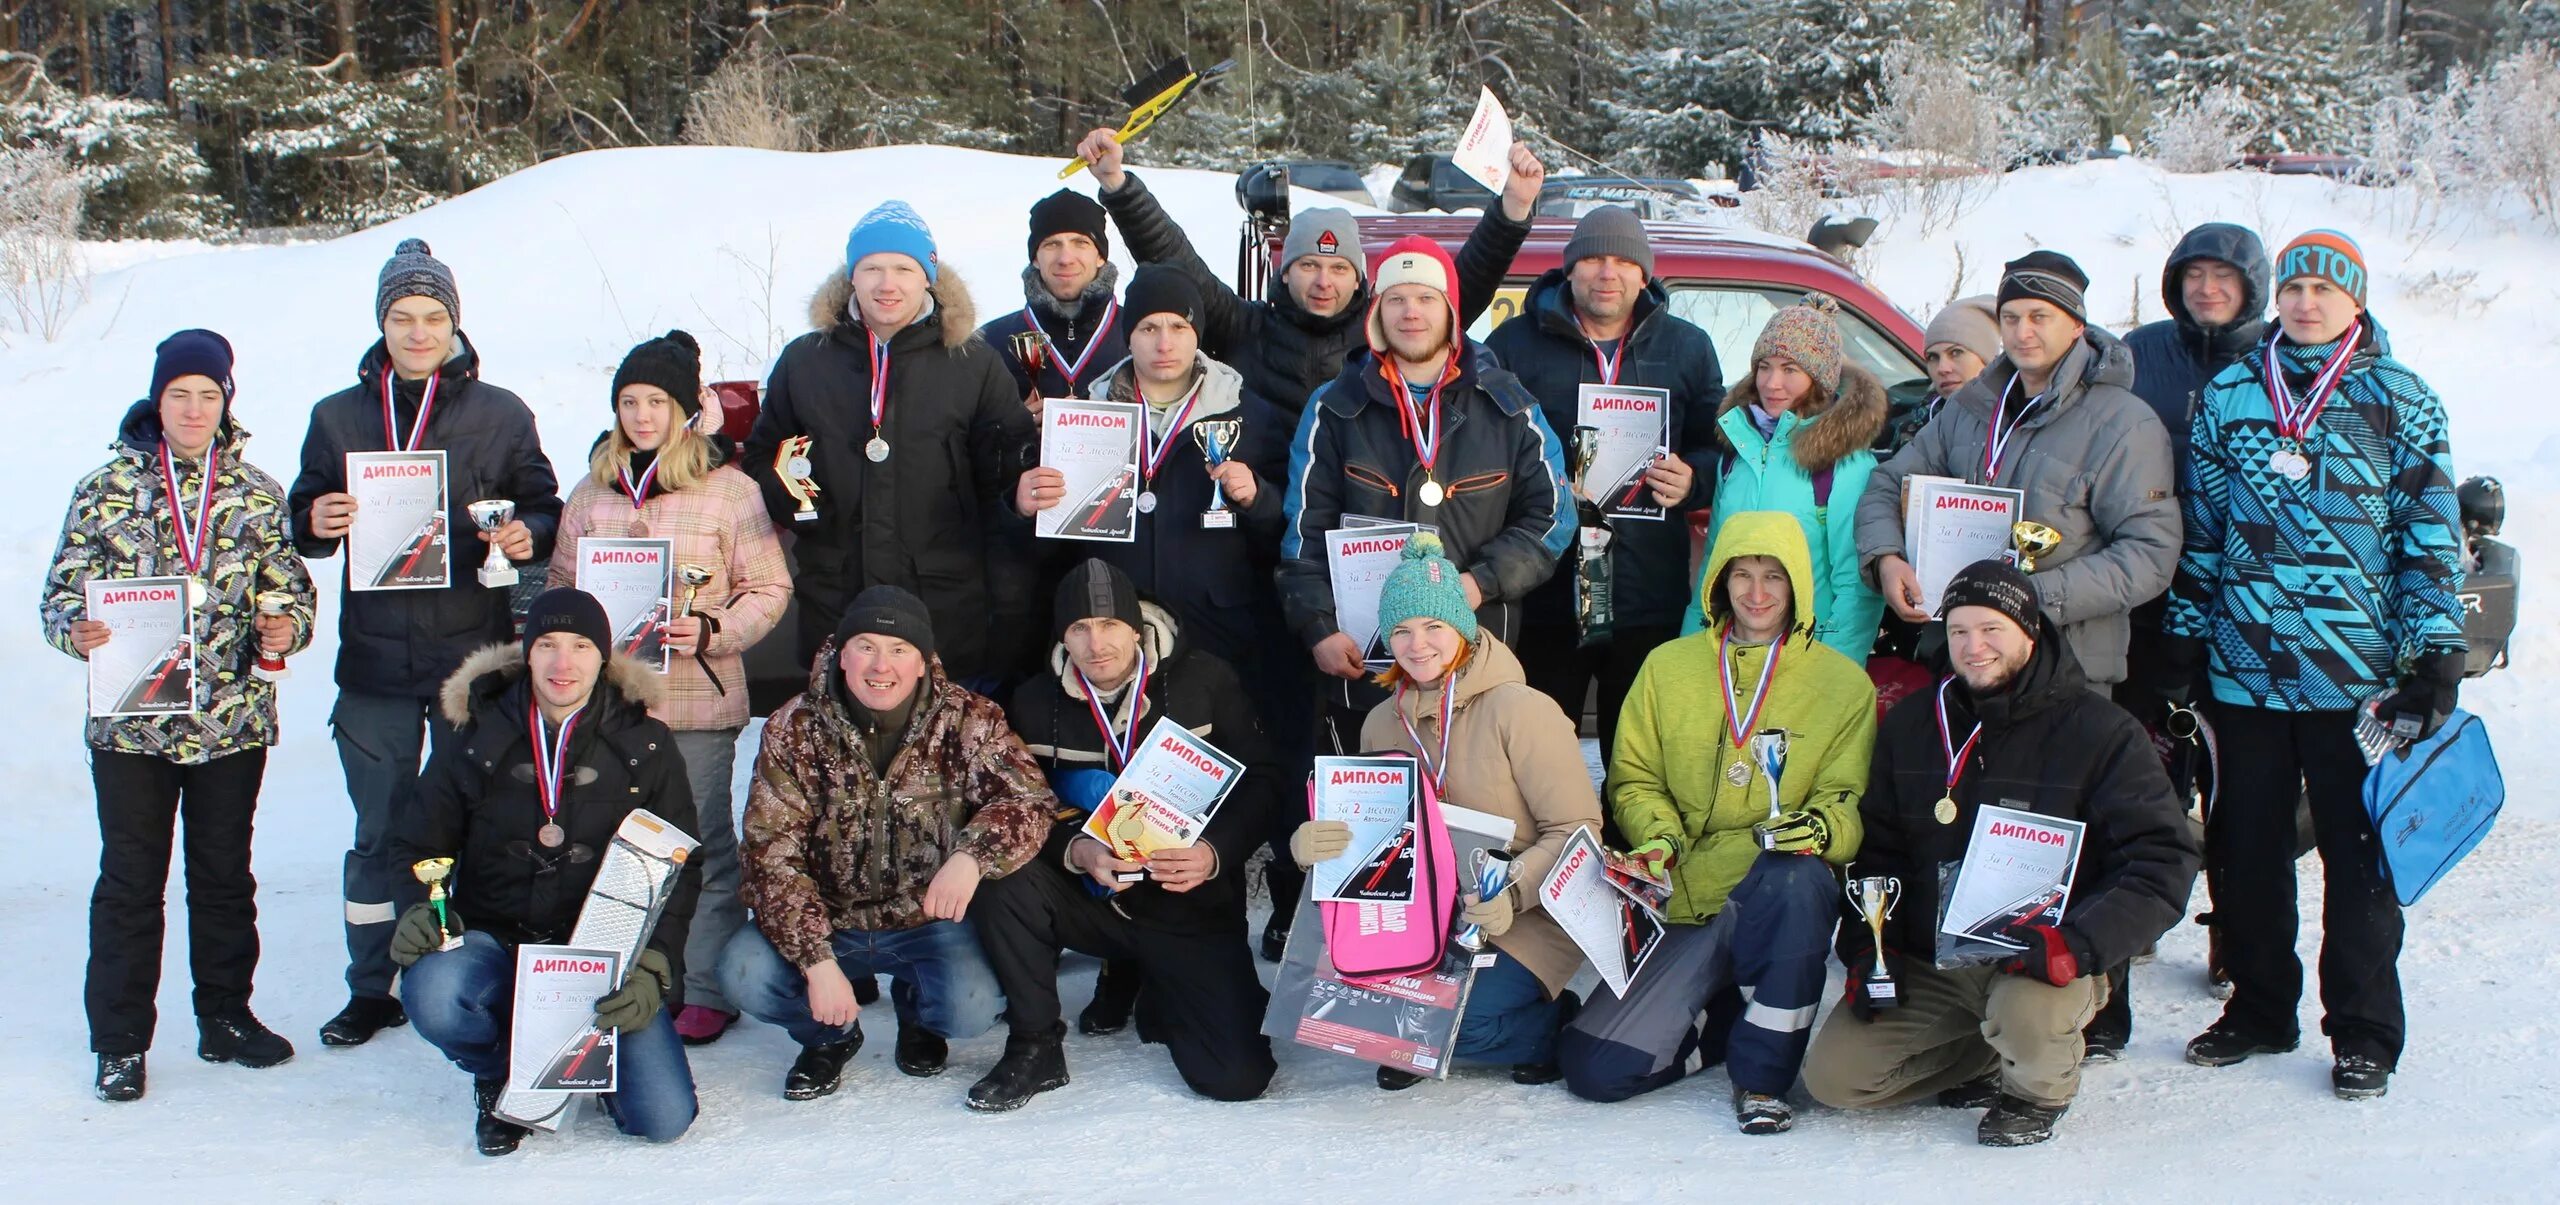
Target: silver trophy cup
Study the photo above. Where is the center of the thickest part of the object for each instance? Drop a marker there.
(490, 514)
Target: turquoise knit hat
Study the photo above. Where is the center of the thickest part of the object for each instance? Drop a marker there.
(1425, 583)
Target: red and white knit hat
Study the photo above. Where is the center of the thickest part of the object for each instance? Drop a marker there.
(1411, 260)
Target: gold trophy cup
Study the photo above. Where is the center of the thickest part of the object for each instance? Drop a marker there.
(695, 578)
(2033, 540)
(433, 872)
(791, 464)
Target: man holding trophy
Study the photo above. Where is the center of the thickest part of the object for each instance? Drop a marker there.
(418, 393)
(554, 745)
(1754, 737)
(1123, 666)
(2016, 727)
(2055, 417)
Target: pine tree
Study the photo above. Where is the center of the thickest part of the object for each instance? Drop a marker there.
(2304, 70)
(141, 174)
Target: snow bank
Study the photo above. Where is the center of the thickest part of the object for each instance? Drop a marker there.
(565, 266)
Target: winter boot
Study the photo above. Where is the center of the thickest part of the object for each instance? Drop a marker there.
(1032, 1064)
(2217, 977)
(495, 1135)
(1759, 1113)
(1115, 993)
(1395, 1080)
(1972, 1094)
(2359, 1077)
(1567, 1005)
(920, 1051)
(2017, 1121)
(240, 1039)
(120, 1077)
(866, 990)
(820, 1068)
(1275, 937)
(700, 1026)
(2220, 1047)
(363, 1017)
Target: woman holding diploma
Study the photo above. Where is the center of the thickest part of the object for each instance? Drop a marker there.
(656, 475)
(177, 500)
(1494, 744)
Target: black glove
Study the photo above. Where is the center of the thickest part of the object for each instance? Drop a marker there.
(418, 934)
(633, 1008)
(2426, 692)
(2181, 665)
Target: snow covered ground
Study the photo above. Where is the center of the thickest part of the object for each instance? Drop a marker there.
(564, 267)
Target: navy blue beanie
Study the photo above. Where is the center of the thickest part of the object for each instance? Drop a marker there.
(192, 353)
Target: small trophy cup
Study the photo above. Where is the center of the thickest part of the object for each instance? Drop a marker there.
(271, 603)
(1217, 439)
(1594, 570)
(791, 463)
(2033, 540)
(695, 578)
(490, 514)
(1874, 897)
(433, 872)
(1031, 351)
(1769, 752)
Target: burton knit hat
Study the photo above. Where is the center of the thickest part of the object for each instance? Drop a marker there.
(2326, 254)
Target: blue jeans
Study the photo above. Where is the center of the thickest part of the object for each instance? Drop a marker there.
(1509, 1018)
(460, 999)
(939, 979)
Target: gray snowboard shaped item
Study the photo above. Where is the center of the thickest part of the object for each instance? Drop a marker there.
(632, 887)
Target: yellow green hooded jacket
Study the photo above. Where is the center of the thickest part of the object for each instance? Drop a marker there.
(1674, 772)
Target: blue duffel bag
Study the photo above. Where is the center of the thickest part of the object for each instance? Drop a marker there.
(2431, 802)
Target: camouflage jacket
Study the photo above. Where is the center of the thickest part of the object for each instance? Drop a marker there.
(120, 525)
(829, 845)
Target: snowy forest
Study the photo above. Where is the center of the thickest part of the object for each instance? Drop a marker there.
(214, 118)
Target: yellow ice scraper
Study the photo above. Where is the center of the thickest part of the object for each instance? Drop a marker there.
(1153, 97)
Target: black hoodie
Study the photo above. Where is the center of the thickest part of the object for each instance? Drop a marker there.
(2050, 746)
(2175, 358)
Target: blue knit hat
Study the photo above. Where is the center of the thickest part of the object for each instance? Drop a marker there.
(194, 353)
(894, 227)
(1425, 584)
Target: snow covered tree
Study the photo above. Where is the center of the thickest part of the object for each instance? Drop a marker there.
(2304, 71)
(139, 171)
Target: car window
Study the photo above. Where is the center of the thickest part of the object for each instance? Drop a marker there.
(1732, 315)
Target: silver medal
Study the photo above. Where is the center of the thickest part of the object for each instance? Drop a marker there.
(877, 449)
(1432, 493)
(1146, 502)
(2291, 463)
(1738, 773)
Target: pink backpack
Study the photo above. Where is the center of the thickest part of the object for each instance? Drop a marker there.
(1370, 942)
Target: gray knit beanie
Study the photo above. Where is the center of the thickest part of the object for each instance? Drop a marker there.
(414, 271)
(1610, 230)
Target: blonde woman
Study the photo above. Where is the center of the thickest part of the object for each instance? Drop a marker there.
(657, 474)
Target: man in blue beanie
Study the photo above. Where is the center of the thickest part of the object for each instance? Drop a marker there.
(915, 436)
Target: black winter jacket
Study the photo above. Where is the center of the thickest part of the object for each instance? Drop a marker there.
(1076, 329)
(1197, 691)
(2049, 746)
(1507, 515)
(958, 438)
(2175, 358)
(1545, 347)
(1284, 352)
(1215, 581)
(478, 805)
(406, 642)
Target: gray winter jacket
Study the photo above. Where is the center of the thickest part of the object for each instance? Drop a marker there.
(2096, 467)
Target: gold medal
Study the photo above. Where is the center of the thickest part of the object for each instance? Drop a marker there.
(1946, 810)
